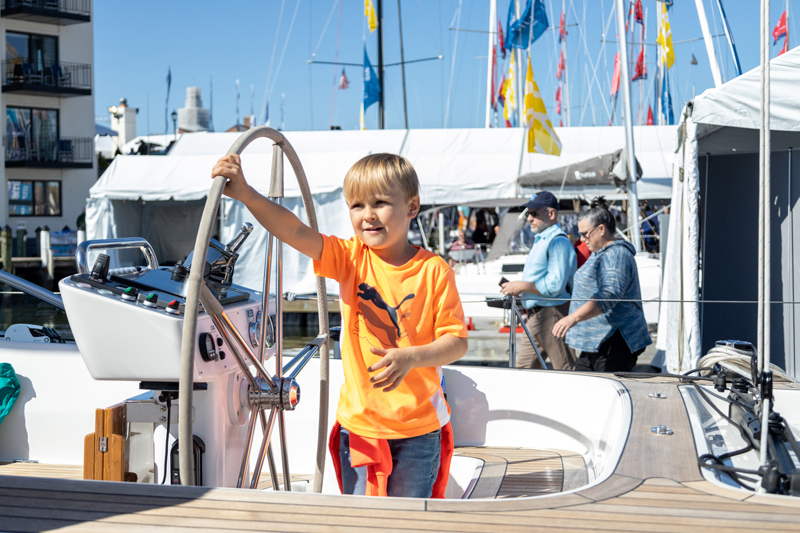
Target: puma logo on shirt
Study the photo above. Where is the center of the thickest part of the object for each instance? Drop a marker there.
(370, 294)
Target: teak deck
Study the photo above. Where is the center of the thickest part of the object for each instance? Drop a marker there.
(657, 486)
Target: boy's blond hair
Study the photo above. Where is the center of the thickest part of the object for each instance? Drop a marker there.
(379, 174)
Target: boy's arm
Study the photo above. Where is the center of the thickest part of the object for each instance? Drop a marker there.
(278, 220)
(398, 362)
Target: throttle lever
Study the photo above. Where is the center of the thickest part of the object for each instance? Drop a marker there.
(238, 240)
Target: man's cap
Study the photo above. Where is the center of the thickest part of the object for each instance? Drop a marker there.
(542, 199)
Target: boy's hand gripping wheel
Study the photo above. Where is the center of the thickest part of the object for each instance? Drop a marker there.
(274, 393)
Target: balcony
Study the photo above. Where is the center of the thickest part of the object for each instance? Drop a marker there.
(61, 12)
(58, 79)
(66, 152)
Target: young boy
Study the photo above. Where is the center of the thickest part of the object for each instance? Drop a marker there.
(402, 320)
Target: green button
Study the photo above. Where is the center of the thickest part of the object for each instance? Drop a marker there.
(152, 297)
(130, 290)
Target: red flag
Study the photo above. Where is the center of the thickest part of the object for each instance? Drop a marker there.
(785, 45)
(562, 29)
(501, 97)
(780, 29)
(638, 12)
(500, 38)
(494, 69)
(560, 66)
(558, 100)
(617, 74)
(641, 68)
(649, 116)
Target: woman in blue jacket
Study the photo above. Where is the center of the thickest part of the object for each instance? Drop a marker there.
(610, 333)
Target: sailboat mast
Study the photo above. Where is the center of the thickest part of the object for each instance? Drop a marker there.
(402, 64)
(712, 54)
(490, 67)
(520, 75)
(625, 83)
(565, 96)
(765, 212)
(380, 64)
(727, 27)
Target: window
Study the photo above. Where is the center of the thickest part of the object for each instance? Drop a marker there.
(34, 198)
(31, 134)
(39, 50)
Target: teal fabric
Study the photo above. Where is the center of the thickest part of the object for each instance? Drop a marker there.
(9, 389)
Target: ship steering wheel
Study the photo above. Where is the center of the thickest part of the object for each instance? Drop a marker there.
(268, 393)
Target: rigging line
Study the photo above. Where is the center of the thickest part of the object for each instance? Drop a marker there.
(285, 45)
(428, 25)
(271, 61)
(335, 68)
(325, 28)
(595, 79)
(549, 28)
(582, 38)
(311, 74)
(554, 55)
(452, 67)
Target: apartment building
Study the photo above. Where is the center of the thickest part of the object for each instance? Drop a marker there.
(47, 99)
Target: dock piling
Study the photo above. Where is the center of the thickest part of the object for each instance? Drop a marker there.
(6, 248)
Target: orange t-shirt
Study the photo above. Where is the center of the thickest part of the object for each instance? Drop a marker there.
(390, 307)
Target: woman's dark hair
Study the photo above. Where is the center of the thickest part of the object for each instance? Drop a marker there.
(598, 213)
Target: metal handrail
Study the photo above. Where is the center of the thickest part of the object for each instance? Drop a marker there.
(82, 252)
(69, 7)
(33, 290)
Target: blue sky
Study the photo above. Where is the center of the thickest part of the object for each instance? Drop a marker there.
(203, 40)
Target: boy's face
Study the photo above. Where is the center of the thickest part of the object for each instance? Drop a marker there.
(382, 221)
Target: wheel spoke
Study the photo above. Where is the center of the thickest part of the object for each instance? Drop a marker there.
(247, 447)
(287, 478)
(264, 444)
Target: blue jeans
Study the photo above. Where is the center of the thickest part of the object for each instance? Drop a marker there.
(415, 466)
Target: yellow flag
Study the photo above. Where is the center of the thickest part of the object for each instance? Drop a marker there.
(511, 102)
(542, 137)
(369, 11)
(665, 39)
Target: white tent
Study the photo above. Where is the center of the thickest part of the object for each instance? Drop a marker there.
(715, 191)
(160, 198)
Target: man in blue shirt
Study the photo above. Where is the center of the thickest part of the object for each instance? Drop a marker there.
(544, 291)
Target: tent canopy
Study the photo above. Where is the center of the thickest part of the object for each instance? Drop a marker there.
(728, 117)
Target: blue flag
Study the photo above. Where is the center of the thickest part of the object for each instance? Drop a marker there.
(534, 18)
(372, 87)
(666, 100)
(509, 21)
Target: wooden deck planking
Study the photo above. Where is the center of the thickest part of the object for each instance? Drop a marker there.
(642, 495)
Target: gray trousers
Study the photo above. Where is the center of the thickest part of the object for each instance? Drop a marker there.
(540, 323)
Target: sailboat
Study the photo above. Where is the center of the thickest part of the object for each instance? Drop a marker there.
(534, 449)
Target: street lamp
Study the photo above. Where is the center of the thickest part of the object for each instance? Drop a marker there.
(174, 125)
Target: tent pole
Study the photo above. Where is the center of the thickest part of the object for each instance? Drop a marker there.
(703, 245)
(490, 70)
(790, 366)
(625, 82)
